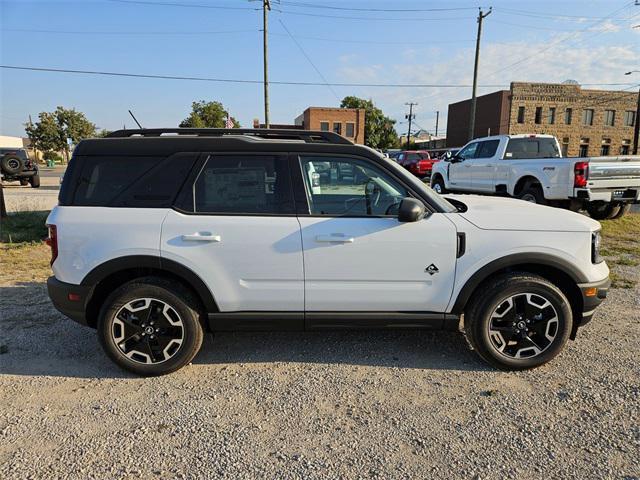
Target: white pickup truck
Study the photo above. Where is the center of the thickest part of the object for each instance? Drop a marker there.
(531, 167)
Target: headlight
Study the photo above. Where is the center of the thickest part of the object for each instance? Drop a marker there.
(596, 240)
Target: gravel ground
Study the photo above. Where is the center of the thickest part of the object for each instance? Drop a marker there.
(303, 405)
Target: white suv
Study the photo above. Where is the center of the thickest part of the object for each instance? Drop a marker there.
(161, 235)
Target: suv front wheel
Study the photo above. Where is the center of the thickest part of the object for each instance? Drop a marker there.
(150, 326)
(518, 321)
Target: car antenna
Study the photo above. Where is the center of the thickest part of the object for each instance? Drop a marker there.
(135, 119)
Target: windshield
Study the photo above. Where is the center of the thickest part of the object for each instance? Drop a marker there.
(534, 147)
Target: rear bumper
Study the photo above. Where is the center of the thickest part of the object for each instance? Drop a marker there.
(624, 194)
(593, 294)
(69, 299)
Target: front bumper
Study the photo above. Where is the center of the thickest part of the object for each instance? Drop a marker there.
(593, 294)
(69, 299)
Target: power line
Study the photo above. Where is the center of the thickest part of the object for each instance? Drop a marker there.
(309, 60)
(130, 32)
(230, 80)
(184, 5)
(258, 82)
(332, 7)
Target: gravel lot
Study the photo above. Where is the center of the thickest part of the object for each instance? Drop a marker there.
(338, 405)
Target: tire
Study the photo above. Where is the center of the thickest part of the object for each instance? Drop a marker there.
(35, 181)
(603, 211)
(163, 341)
(24, 182)
(533, 194)
(438, 185)
(624, 209)
(532, 341)
(11, 164)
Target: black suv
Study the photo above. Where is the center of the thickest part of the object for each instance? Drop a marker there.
(15, 165)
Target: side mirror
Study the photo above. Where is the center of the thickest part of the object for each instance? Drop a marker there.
(456, 159)
(411, 210)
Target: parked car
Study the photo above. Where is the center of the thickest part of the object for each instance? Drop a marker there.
(531, 168)
(158, 238)
(16, 166)
(418, 162)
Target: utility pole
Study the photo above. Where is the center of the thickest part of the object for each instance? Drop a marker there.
(266, 6)
(410, 116)
(636, 128)
(472, 115)
(437, 120)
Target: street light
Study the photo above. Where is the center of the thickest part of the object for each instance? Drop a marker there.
(636, 130)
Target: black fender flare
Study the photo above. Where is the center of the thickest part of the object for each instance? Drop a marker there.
(514, 261)
(102, 271)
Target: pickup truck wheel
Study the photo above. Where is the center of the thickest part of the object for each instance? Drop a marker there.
(533, 194)
(438, 186)
(35, 181)
(518, 321)
(150, 326)
(624, 209)
(603, 211)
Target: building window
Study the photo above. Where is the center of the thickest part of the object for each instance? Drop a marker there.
(584, 147)
(568, 114)
(587, 116)
(350, 129)
(609, 118)
(625, 147)
(520, 114)
(552, 115)
(565, 146)
(605, 147)
(337, 128)
(629, 117)
(324, 126)
(538, 118)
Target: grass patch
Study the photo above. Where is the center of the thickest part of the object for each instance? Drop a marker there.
(23, 227)
(621, 247)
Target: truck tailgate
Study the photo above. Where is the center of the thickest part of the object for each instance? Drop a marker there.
(614, 172)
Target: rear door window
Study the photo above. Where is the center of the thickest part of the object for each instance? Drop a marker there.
(534, 147)
(244, 185)
(487, 149)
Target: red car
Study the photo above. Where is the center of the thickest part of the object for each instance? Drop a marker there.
(418, 162)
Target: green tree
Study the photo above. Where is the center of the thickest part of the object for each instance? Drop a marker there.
(207, 115)
(379, 131)
(51, 131)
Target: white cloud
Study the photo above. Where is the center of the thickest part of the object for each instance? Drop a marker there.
(546, 62)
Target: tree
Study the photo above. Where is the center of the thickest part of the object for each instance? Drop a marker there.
(378, 129)
(51, 131)
(207, 115)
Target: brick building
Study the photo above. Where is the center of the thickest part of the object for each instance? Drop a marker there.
(348, 122)
(586, 122)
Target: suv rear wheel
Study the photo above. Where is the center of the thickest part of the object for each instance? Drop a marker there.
(518, 321)
(150, 326)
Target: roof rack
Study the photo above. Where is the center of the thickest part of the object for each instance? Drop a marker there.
(307, 136)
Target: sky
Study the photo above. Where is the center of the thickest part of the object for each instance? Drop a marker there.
(329, 41)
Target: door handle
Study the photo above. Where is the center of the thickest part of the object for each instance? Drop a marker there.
(335, 238)
(201, 237)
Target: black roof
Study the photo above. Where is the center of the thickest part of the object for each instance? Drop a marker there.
(165, 141)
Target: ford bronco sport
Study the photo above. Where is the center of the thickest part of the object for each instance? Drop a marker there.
(163, 234)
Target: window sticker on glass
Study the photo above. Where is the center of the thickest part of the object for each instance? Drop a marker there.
(235, 186)
(508, 154)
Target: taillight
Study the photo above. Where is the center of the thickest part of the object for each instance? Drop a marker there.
(52, 241)
(424, 165)
(580, 174)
